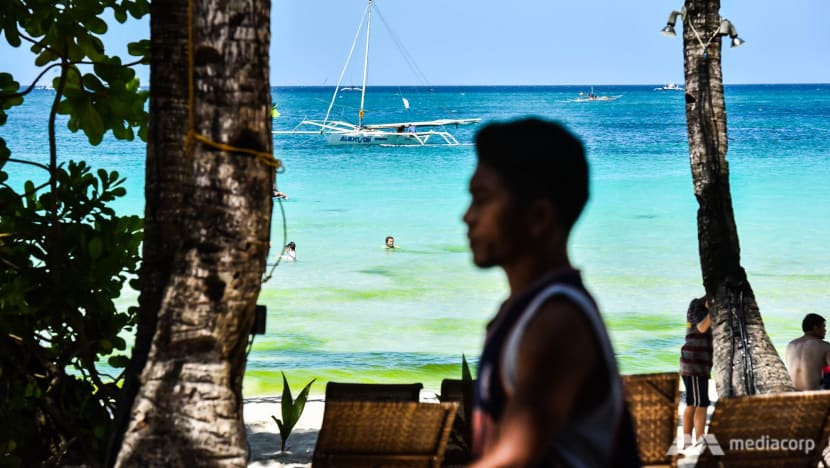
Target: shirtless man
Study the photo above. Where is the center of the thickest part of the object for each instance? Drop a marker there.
(807, 355)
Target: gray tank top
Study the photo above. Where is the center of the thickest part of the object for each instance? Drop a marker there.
(588, 439)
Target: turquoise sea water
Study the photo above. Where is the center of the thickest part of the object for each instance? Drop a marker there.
(349, 310)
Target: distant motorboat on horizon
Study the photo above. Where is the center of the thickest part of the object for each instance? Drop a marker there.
(593, 97)
(670, 86)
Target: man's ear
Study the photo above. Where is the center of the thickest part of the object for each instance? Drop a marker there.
(541, 217)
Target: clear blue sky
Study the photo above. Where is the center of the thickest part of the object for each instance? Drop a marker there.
(533, 42)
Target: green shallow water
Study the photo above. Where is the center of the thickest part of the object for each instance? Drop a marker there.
(349, 310)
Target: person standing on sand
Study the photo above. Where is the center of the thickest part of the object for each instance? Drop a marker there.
(807, 355)
(548, 392)
(695, 368)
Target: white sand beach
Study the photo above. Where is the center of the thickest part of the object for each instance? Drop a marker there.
(264, 437)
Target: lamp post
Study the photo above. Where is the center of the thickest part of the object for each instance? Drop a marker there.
(745, 362)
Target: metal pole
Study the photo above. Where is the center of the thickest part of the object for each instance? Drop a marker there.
(365, 66)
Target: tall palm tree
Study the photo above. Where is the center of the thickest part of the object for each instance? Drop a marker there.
(206, 233)
(745, 360)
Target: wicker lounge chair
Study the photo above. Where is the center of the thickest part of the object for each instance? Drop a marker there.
(340, 391)
(459, 445)
(372, 433)
(750, 431)
(653, 401)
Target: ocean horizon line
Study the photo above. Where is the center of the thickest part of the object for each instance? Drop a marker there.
(533, 86)
(493, 86)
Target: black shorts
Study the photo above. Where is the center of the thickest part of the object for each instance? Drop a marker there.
(697, 390)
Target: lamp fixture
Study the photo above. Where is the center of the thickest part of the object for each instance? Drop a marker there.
(726, 28)
(669, 29)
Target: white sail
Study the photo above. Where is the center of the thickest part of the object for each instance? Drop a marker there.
(394, 134)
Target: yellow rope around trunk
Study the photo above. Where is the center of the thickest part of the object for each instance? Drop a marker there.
(192, 135)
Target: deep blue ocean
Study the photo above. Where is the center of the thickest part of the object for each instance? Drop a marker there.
(349, 310)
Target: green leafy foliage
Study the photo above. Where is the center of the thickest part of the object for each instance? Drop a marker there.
(64, 253)
(4, 155)
(8, 87)
(67, 36)
(140, 49)
(61, 271)
(110, 99)
(291, 409)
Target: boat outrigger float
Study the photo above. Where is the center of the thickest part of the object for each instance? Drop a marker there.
(337, 132)
(344, 133)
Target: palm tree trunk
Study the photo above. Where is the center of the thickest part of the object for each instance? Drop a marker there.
(206, 233)
(745, 360)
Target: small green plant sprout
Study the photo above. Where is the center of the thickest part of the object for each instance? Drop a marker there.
(463, 424)
(466, 375)
(291, 409)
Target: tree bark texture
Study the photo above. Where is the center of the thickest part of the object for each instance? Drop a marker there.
(745, 360)
(166, 172)
(206, 235)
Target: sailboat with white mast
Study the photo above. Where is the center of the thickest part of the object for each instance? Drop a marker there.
(406, 133)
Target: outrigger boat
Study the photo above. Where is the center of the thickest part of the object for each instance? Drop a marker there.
(337, 132)
(591, 97)
(344, 133)
(670, 86)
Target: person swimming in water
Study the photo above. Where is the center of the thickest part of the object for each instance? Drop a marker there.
(289, 252)
(277, 194)
(390, 243)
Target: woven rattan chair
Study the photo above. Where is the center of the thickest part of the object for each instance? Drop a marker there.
(378, 434)
(341, 391)
(767, 422)
(653, 400)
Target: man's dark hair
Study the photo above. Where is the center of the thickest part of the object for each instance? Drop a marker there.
(538, 159)
(811, 321)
